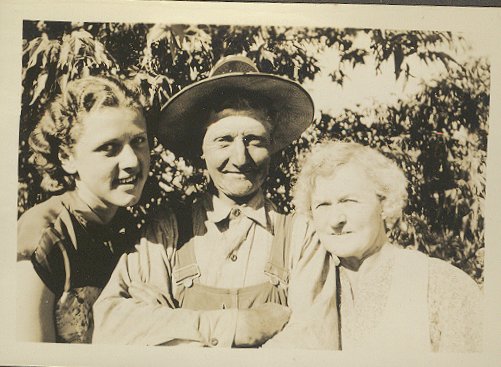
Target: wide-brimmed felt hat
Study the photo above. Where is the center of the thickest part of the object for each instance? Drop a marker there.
(185, 115)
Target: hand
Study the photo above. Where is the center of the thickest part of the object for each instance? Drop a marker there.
(258, 324)
(149, 294)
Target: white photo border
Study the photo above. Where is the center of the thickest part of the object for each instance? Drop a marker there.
(484, 23)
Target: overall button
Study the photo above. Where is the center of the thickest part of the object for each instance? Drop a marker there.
(236, 212)
(188, 282)
(233, 257)
(274, 281)
(214, 342)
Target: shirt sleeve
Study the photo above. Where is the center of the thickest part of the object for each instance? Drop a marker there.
(311, 294)
(120, 319)
(50, 261)
(455, 305)
(33, 224)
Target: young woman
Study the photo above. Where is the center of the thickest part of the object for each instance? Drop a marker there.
(92, 146)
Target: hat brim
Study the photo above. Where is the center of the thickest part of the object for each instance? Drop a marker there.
(185, 114)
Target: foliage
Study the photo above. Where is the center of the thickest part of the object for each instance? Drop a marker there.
(438, 137)
(48, 65)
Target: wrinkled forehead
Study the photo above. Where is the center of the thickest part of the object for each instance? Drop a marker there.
(237, 102)
(257, 116)
(343, 179)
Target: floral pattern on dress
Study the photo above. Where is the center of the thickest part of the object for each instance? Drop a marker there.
(74, 320)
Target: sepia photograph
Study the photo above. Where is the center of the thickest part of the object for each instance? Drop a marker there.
(216, 183)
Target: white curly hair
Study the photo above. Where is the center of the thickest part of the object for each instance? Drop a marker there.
(324, 159)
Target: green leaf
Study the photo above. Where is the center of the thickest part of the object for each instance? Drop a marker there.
(40, 86)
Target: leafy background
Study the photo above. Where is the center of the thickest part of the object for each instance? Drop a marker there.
(438, 136)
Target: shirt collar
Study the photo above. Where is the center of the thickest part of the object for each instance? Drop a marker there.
(255, 209)
(81, 210)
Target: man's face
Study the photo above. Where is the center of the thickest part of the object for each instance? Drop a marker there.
(236, 150)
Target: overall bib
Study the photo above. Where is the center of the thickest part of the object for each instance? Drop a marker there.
(195, 296)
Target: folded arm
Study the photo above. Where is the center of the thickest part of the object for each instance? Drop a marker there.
(138, 307)
(119, 318)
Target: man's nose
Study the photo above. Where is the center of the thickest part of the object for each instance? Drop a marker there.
(240, 156)
(128, 158)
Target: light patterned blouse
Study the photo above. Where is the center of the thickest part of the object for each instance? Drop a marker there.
(451, 301)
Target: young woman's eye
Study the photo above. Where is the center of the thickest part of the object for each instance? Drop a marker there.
(109, 149)
(139, 141)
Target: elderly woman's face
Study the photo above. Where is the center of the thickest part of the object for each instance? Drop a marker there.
(236, 150)
(347, 213)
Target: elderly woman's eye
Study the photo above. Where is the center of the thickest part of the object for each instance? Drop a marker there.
(348, 200)
(322, 205)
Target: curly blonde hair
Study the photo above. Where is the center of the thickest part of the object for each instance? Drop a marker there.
(59, 128)
(324, 159)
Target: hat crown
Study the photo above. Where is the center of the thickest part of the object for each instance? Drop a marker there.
(184, 116)
(234, 64)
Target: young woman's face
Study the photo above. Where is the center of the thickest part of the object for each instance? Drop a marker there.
(347, 213)
(111, 157)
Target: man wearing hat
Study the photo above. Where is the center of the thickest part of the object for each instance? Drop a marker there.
(221, 272)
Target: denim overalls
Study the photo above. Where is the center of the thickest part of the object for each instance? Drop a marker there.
(193, 295)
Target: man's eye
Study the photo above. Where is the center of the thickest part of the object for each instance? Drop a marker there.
(223, 140)
(254, 140)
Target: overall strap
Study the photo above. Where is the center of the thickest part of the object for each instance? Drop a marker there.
(277, 267)
(184, 218)
(186, 268)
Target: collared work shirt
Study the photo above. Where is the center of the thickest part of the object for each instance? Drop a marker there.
(218, 229)
(232, 245)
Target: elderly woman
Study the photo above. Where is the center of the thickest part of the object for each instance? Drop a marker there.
(390, 298)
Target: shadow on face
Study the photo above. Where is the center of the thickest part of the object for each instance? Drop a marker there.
(236, 151)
